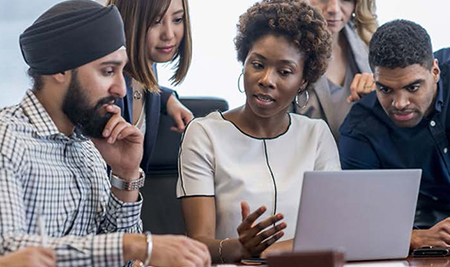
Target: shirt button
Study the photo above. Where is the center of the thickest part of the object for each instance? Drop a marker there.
(445, 150)
(432, 123)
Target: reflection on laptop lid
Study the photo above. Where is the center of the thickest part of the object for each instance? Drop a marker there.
(368, 214)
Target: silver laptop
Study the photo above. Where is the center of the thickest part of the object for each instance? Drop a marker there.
(368, 214)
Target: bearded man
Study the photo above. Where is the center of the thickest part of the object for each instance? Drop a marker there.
(56, 144)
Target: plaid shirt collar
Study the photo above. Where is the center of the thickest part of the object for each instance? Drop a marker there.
(41, 120)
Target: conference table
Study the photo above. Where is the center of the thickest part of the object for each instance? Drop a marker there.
(410, 261)
(421, 262)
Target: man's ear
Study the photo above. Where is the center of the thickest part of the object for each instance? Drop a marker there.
(435, 71)
(62, 77)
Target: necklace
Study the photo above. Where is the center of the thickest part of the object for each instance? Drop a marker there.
(137, 95)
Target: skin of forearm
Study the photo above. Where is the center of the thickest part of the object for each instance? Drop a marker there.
(231, 249)
(134, 247)
(3, 262)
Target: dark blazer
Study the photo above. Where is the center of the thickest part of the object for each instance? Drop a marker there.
(154, 104)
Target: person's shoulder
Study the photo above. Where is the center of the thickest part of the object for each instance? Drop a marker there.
(311, 131)
(304, 120)
(443, 56)
(304, 123)
(209, 121)
(13, 124)
(211, 118)
(367, 103)
(13, 117)
(362, 116)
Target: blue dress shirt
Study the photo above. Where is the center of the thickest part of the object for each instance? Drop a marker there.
(370, 140)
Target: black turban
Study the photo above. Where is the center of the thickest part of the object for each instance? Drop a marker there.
(71, 34)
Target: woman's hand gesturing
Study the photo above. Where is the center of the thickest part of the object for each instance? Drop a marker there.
(255, 238)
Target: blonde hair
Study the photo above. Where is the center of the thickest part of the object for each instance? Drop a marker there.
(138, 16)
(365, 19)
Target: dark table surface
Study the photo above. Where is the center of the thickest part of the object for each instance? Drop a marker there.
(410, 261)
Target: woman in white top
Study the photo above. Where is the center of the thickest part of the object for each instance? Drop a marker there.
(257, 153)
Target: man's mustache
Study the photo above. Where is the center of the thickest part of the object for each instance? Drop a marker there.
(104, 101)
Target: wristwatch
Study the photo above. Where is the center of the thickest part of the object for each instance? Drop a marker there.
(122, 184)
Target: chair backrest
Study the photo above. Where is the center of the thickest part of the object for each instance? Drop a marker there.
(161, 212)
(165, 156)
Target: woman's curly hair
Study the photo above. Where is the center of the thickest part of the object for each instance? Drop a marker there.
(300, 23)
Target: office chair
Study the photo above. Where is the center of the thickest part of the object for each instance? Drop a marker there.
(161, 211)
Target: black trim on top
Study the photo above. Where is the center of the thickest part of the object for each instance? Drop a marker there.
(180, 173)
(258, 138)
(273, 178)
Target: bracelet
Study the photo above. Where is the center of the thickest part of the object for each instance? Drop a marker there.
(123, 184)
(220, 249)
(149, 248)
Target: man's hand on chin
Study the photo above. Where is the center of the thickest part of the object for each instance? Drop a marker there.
(122, 145)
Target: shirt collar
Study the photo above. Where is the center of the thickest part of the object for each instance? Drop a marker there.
(439, 97)
(41, 120)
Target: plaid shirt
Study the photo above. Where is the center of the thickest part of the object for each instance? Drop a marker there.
(43, 171)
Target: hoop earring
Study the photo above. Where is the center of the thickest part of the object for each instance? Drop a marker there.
(239, 82)
(305, 101)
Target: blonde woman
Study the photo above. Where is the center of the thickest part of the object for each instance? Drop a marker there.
(348, 76)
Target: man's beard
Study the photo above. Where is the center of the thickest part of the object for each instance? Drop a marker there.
(85, 117)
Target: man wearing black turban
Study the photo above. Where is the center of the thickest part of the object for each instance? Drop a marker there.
(52, 178)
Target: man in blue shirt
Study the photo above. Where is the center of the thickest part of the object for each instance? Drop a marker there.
(405, 122)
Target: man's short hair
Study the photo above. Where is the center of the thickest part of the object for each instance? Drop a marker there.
(399, 44)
